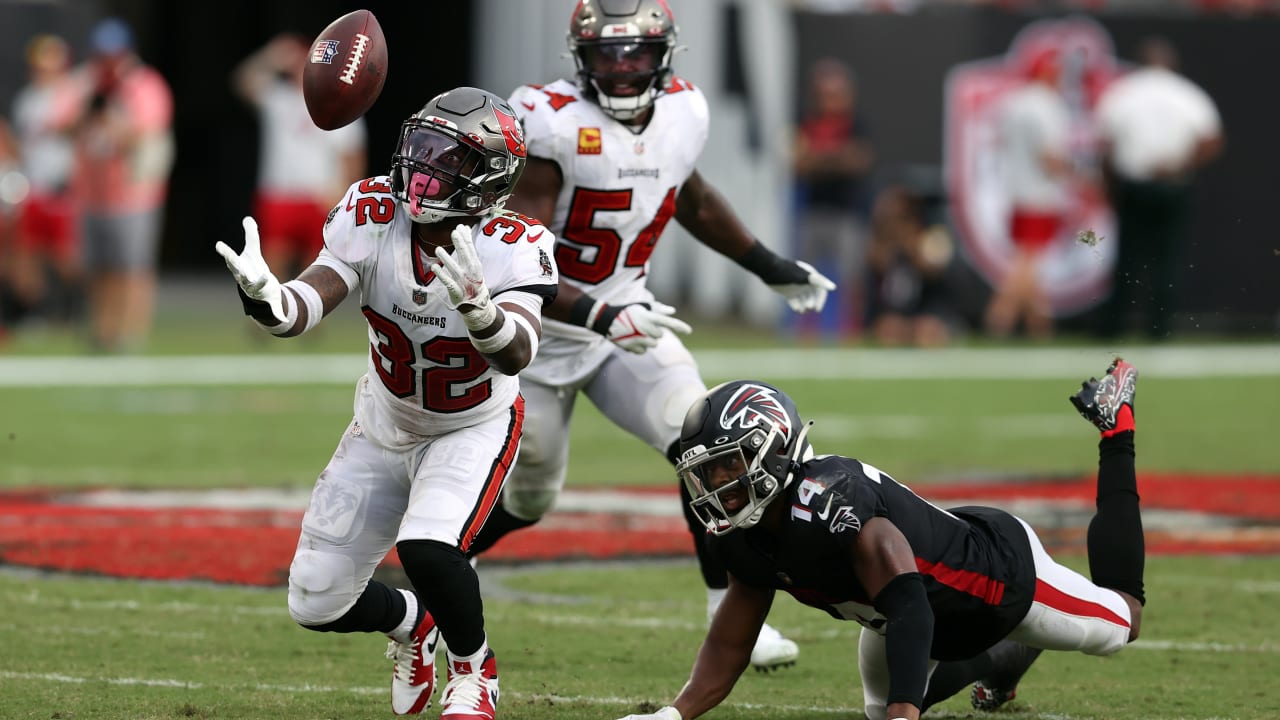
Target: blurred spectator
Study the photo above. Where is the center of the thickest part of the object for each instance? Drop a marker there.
(47, 239)
(1034, 125)
(9, 198)
(832, 160)
(124, 151)
(302, 170)
(911, 251)
(1158, 129)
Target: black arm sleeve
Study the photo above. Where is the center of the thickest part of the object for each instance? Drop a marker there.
(771, 268)
(908, 637)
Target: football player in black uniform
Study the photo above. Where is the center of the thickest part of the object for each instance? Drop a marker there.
(945, 597)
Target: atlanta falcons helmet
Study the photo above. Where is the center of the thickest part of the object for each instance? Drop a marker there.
(748, 426)
(622, 49)
(460, 155)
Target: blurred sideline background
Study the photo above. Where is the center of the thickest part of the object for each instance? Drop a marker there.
(751, 58)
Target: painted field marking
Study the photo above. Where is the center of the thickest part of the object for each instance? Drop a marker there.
(1187, 361)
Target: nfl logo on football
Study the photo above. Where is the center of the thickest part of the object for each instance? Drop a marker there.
(324, 51)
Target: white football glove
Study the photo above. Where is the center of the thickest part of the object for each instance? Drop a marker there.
(809, 296)
(463, 278)
(251, 271)
(640, 325)
(666, 713)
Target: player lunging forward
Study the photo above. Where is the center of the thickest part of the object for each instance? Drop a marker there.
(612, 161)
(945, 597)
(452, 287)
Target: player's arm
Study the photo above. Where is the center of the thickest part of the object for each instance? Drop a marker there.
(724, 655)
(518, 353)
(705, 213)
(535, 195)
(635, 326)
(505, 333)
(284, 310)
(254, 74)
(885, 566)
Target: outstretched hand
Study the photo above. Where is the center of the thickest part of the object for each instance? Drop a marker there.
(810, 295)
(463, 278)
(250, 269)
(666, 713)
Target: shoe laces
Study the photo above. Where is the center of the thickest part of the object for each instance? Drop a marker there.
(465, 689)
(405, 655)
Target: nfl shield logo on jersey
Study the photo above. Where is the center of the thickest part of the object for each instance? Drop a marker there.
(420, 296)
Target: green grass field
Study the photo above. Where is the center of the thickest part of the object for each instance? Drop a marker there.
(584, 642)
(597, 641)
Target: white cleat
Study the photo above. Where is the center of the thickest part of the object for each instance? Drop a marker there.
(773, 651)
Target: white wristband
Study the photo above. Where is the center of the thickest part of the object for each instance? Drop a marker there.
(528, 329)
(481, 317)
(496, 341)
(287, 322)
(310, 300)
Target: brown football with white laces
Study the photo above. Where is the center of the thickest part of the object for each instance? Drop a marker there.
(345, 70)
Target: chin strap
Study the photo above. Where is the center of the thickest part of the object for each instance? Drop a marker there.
(793, 462)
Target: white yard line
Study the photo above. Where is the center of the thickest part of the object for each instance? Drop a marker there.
(1183, 361)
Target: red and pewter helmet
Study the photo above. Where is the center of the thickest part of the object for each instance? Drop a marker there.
(460, 155)
(622, 49)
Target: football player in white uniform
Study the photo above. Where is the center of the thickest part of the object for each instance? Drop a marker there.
(612, 160)
(438, 416)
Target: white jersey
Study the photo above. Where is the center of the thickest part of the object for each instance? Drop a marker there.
(1035, 122)
(1154, 119)
(298, 158)
(47, 153)
(619, 192)
(425, 377)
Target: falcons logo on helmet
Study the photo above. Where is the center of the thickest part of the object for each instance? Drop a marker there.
(752, 405)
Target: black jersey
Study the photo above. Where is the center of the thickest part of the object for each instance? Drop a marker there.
(976, 561)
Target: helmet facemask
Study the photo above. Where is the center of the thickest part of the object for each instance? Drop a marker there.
(724, 503)
(437, 172)
(624, 75)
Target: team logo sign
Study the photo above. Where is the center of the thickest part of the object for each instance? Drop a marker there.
(1077, 265)
(754, 405)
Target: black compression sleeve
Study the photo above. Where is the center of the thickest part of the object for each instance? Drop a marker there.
(908, 637)
(771, 268)
(580, 311)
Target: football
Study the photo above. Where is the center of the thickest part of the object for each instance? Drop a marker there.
(345, 70)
